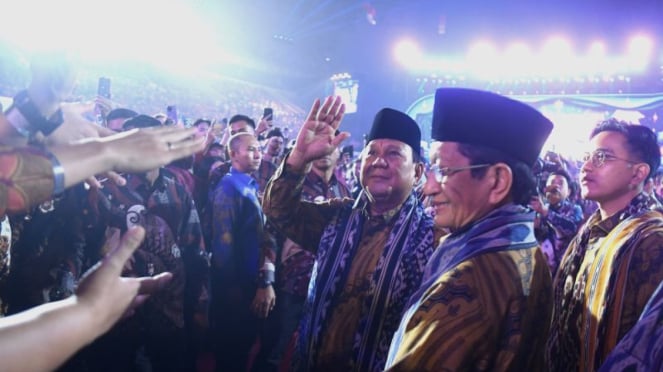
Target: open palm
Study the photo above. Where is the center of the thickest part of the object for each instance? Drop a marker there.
(317, 137)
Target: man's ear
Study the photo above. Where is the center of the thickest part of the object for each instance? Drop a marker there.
(418, 171)
(501, 178)
(640, 173)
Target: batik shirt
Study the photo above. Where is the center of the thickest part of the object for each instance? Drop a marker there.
(173, 240)
(559, 227)
(46, 248)
(484, 304)
(641, 349)
(366, 269)
(262, 175)
(606, 277)
(294, 272)
(5, 244)
(239, 242)
(26, 178)
(47, 252)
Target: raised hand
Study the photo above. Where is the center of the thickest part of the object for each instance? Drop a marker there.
(317, 137)
(264, 125)
(106, 293)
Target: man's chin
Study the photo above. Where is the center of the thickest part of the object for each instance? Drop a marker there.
(379, 193)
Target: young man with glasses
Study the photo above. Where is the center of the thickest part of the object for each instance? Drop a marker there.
(485, 298)
(615, 262)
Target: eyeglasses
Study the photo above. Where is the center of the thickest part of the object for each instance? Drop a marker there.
(599, 158)
(441, 173)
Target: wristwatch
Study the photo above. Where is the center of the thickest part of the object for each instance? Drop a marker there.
(25, 117)
(265, 278)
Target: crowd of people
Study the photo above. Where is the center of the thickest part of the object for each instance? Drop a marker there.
(143, 245)
(145, 90)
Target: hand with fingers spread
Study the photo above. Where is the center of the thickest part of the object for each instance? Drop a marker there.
(133, 151)
(107, 294)
(76, 126)
(317, 137)
(56, 330)
(140, 150)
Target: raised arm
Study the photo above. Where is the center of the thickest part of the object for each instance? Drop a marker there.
(53, 332)
(300, 221)
(30, 175)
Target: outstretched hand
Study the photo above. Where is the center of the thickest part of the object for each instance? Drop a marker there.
(140, 150)
(317, 137)
(110, 296)
(76, 126)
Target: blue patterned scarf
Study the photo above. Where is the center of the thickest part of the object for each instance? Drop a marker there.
(397, 275)
(509, 227)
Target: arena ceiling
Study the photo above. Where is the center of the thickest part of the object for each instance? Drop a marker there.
(322, 37)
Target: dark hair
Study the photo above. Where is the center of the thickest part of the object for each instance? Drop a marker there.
(349, 149)
(245, 118)
(563, 173)
(141, 121)
(121, 113)
(416, 157)
(659, 173)
(524, 183)
(202, 168)
(640, 141)
(215, 144)
(275, 132)
(201, 120)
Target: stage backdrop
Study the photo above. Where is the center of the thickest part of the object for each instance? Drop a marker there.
(573, 115)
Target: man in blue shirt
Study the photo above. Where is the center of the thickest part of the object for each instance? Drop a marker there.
(239, 270)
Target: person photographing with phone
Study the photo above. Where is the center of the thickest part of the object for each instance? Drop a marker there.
(558, 217)
(265, 124)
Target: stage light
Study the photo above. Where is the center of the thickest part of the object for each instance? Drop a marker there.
(483, 61)
(597, 50)
(481, 51)
(517, 51)
(557, 47)
(555, 62)
(517, 61)
(408, 54)
(557, 58)
(639, 53)
(640, 46)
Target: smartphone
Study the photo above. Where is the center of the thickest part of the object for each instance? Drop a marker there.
(104, 87)
(171, 112)
(268, 114)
